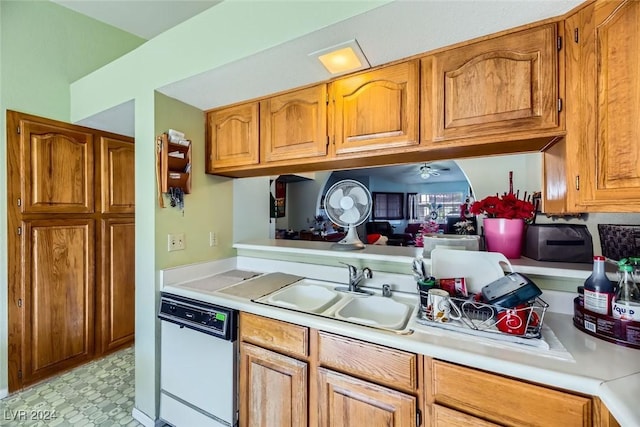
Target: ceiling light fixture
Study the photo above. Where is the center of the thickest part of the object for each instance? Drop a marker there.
(342, 58)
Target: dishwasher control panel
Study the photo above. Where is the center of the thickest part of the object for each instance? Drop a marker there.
(199, 315)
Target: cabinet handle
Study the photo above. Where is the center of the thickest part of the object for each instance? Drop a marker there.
(577, 182)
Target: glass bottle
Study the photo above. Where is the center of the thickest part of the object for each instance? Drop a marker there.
(626, 303)
(598, 289)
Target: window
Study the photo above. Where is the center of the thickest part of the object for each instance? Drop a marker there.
(423, 207)
(388, 205)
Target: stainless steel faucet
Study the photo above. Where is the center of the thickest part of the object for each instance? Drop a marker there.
(356, 276)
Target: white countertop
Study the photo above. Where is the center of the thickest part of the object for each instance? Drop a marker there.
(592, 366)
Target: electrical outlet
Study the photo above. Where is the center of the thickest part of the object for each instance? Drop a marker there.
(213, 239)
(176, 242)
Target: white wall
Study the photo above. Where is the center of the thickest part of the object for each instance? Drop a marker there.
(250, 209)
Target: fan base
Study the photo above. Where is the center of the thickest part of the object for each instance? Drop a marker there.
(347, 246)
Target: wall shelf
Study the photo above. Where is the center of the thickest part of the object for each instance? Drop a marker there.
(175, 165)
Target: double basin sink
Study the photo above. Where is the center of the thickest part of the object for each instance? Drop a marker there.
(321, 298)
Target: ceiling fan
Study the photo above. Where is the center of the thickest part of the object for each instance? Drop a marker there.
(427, 171)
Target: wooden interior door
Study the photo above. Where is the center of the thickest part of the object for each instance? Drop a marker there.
(345, 401)
(58, 299)
(116, 289)
(273, 389)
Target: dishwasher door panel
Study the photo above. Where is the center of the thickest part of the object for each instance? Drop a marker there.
(200, 369)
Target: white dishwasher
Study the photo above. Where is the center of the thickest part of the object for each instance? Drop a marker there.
(199, 363)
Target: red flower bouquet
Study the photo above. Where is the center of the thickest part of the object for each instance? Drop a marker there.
(506, 206)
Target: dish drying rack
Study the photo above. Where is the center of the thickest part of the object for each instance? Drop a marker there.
(481, 319)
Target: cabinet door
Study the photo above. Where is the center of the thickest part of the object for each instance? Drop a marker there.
(376, 110)
(58, 296)
(116, 291)
(56, 166)
(294, 125)
(609, 40)
(117, 175)
(345, 401)
(273, 389)
(232, 137)
(504, 85)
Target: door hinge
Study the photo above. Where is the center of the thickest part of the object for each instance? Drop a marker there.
(328, 140)
(559, 43)
(19, 302)
(20, 374)
(559, 104)
(577, 182)
(19, 231)
(19, 201)
(18, 129)
(418, 418)
(576, 35)
(327, 98)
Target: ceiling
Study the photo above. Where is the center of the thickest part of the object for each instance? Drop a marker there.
(393, 31)
(408, 174)
(144, 18)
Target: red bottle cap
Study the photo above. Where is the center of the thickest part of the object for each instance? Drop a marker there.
(598, 258)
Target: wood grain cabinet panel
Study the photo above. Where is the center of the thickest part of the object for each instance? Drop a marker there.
(56, 166)
(503, 400)
(502, 85)
(273, 389)
(117, 168)
(384, 365)
(294, 125)
(275, 334)
(116, 287)
(58, 295)
(376, 109)
(445, 417)
(345, 401)
(232, 137)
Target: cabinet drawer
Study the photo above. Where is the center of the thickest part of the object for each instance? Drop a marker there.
(503, 400)
(445, 417)
(274, 334)
(372, 362)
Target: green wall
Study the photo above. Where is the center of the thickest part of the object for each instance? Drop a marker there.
(207, 208)
(43, 48)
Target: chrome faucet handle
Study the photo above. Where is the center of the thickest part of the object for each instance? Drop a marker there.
(353, 271)
(367, 273)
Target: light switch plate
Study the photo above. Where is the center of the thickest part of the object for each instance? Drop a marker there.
(176, 242)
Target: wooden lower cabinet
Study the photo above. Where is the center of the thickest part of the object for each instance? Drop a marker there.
(445, 417)
(291, 375)
(115, 325)
(345, 401)
(273, 389)
(497, 399)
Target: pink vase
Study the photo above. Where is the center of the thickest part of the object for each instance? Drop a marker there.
(504, 236)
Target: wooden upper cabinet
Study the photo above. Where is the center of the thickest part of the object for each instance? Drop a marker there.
(502, 85)
(232, 137)
(609, 39)
(117, 170)
(294, 125)
(56, 166)
(376, 109)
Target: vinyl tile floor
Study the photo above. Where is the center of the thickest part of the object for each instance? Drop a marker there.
(100, 393)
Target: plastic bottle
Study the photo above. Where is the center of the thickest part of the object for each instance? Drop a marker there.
(626, 304)
(598, 289)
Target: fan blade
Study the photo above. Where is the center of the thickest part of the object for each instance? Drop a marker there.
(350, 216)
(359, 195)
(335, 197)
(434, 173)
